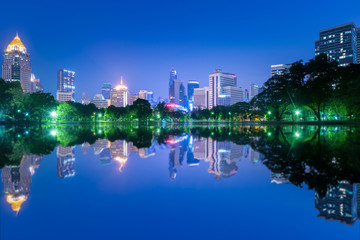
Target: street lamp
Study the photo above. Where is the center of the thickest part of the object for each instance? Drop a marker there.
(297, 112)
(53, 114)
(269, 112)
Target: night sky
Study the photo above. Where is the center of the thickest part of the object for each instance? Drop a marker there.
(143, 40)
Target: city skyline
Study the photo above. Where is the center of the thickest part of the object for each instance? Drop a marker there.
(102, 54)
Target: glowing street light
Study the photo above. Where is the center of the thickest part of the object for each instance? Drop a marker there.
(269, 112)
(53, 132)
(297, 134)
(53, 114)
(297, 112)
(100, 115)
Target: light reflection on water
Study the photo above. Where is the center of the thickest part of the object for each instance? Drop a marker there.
(321, 158)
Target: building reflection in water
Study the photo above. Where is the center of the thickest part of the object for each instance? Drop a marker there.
(178, 148)
(339, 204)
(17, 179)
(119, 151)
(65, 161)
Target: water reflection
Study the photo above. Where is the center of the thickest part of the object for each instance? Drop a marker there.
(325, 159)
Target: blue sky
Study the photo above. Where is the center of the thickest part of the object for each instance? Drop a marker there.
(143, 40)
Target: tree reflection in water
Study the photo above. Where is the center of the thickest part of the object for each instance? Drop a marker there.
(325, 159)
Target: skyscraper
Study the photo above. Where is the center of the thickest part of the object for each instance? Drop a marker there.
(201, 98)
(279, 69)
(100, 101)
(246, 95)
(230, 95)
(106, 89)
(65, 84)
(65, 161)
(339, 43)
(16, 65)
(182, 96)
(254, 90)
(119, 96)
(190, 90)
(175, 98)
(173, 76)
(217, 81)
(358, 45)
(35, 84)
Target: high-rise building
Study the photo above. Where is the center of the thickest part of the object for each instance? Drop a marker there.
(35, 84)
(142, 94)
(106, 89)
(339, 43)
(16, 65)
(100, 101)
(246, 95)
(85, 99)
(175, 98)
(119, 96)
(230, 95)
(65, 83)
(279, 69)
(190, 89)
(64, 96)
(173, 76)
(133, 98)
(254, 90)
(217, 81)
(183, 100)
(201, 98)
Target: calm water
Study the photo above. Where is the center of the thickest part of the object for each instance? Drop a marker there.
(92, 182)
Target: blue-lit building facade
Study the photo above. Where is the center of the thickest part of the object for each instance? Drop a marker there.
(66, 81)
(340, 43)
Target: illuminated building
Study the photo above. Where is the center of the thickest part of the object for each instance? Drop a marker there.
(100, 101)
(230, 95)
(279, 69)
(339, 43)
(339, 203)
(190, 90)
(85, 99)
(99, 145)
(17, 179)
(120, 151)
(16, 65)
(133, 98)
(35, 84)
(119, 96)
(142, 94)
(246, 95)
(200, 148)
(217, 81)
(64, 96)
(106, 90)
(179, 147)
(254, 90)
(65, 85)
(223, 157)
(173, 77)
(65, 161)
(358, 45)
(201, 98)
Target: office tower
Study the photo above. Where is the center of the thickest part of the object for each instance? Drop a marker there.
(182, 96)
(173, 76)
(246, 95)
(142, 94)
(100, 101)
(133, 98)
(85, 99)
(339, 204)
(279, 69)
(16, 65)
(217, 81)
(119, 96)
(200, 148)
(201, 98)
(64, 96)
(35, 84)
(230, 95)
(150, 97)
(106, 90)
(254, 90)
(65, 161)
(190, 88)
(65, 85)
(339, 43)
(175, 98)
